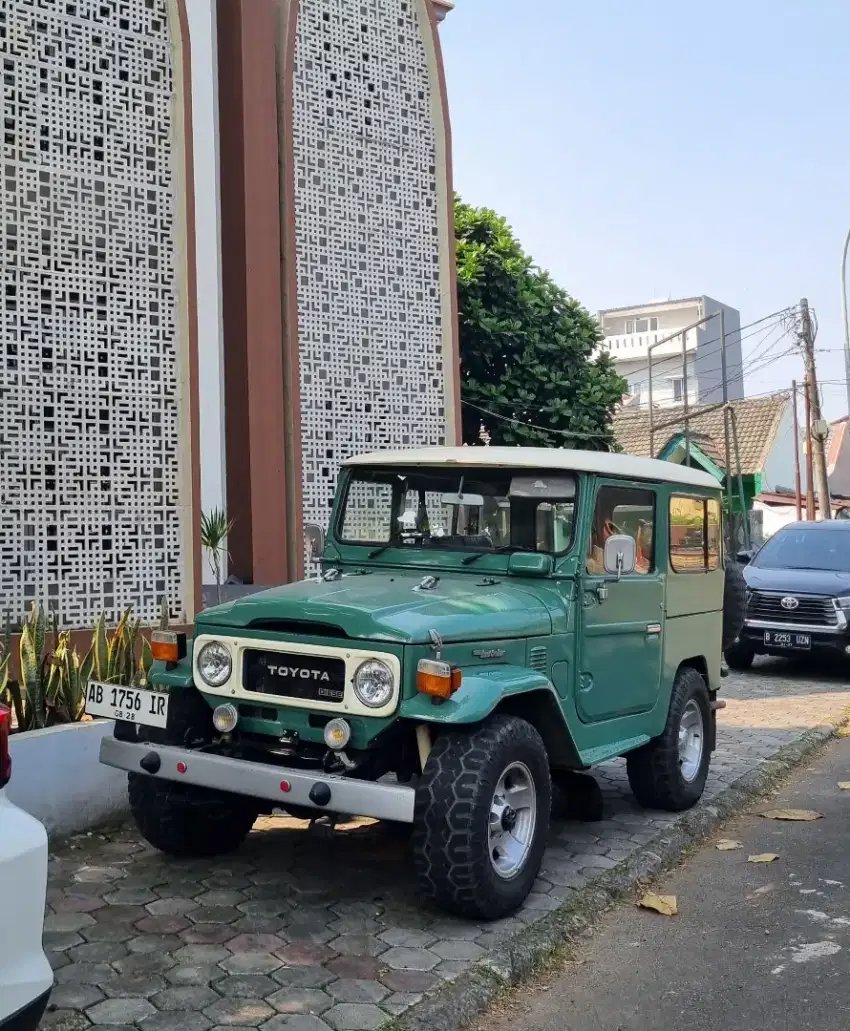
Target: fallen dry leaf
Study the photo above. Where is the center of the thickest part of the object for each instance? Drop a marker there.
(763, 857)
(844, 785)
(727, 845)
(663, 904)
(792, 814)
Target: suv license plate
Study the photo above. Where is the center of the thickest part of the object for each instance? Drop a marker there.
(787, 639)
(108, 701)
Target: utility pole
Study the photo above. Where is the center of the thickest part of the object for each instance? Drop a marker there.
(799, 499)
(818, 456)
(810, 480)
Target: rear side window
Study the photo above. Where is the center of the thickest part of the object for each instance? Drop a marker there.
(694, 534)
(624, 510)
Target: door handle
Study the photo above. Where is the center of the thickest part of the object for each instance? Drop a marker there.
(601, 593)
(653, 629)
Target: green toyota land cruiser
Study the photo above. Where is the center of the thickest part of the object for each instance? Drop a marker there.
(486, 619)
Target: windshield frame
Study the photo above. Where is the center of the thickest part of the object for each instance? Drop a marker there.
(791, 528)
(351, 473)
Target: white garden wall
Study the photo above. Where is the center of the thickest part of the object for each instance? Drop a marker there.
(56, 776)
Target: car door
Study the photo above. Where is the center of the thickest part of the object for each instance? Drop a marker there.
(621, 620)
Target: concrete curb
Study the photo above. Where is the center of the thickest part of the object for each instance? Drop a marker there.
(59, 779)
(509, 964)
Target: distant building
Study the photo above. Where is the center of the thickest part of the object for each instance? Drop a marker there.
(629, 332)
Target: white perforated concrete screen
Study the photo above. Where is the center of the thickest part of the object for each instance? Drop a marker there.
(90, 441)
(368, 237)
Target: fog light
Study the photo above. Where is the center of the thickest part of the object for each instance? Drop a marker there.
(225, 718)
(337, 734)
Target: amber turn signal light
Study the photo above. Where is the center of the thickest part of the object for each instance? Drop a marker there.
(168, 646)
(436, 678)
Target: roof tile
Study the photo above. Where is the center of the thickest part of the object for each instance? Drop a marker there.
(757, 420)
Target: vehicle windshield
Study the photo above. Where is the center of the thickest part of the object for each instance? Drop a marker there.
(459, 509)
(806, 548)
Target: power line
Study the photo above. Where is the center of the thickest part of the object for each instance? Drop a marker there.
(676, 360)
(773, 315)
(599, 436)
(767, 359)
(531, 425)
(525, 407)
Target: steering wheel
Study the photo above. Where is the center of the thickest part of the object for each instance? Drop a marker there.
(609, 529)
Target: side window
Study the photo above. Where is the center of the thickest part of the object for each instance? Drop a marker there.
(713, 533)
(694, 534)
(625, 510)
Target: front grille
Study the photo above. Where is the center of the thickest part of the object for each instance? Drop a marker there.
(811, 610)
(317, 678)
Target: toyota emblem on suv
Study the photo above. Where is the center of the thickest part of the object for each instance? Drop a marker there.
(789, 603)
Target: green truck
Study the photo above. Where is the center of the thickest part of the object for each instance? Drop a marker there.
(486, 620)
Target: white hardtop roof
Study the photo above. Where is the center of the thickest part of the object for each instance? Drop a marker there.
(600, 462)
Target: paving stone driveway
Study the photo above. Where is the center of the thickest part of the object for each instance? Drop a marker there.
(324, 930)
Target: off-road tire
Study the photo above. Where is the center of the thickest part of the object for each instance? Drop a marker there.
(734, 603)
(187, 821)
(739, 656)
(451, 817)
(654, 772)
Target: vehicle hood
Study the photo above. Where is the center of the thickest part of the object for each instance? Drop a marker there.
(799, 581)
(387, 607)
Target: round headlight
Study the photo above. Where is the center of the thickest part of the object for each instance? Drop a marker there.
(214, 664)
(373, 683)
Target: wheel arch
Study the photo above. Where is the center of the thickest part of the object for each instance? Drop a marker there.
(541, 709)
(700, 664)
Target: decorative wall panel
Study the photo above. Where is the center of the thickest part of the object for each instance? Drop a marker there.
(91, 446)
(369, 237)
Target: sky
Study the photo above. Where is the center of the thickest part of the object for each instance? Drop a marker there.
(645, 149)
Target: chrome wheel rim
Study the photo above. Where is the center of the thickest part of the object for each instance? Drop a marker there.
(513, 818)
(691, 741)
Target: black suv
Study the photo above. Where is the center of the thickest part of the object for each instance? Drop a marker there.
(798, 594)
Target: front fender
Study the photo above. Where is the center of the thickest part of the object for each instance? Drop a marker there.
(173, 674)
(482, 690)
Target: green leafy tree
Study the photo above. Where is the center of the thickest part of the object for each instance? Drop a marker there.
(528, 372)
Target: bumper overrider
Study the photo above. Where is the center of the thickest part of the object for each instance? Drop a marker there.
(278, 784)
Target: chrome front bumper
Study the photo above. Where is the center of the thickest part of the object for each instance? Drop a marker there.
(800, 628)
(278, 784)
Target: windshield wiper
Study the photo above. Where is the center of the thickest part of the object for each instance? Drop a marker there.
(381, 550)
(493, 551)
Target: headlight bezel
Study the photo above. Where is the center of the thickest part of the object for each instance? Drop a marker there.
(217, 682)
(360, 672)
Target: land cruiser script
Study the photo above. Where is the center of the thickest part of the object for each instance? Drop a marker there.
(294, 671)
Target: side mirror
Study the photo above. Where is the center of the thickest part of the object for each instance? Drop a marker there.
(314, 542)
(744, 557)
(530, 563)
(620, 555)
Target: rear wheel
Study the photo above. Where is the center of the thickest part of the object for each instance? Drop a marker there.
(481, 818)
(184, 820)
(670, 772)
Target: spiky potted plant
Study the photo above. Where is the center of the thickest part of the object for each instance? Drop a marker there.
(215, 528)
